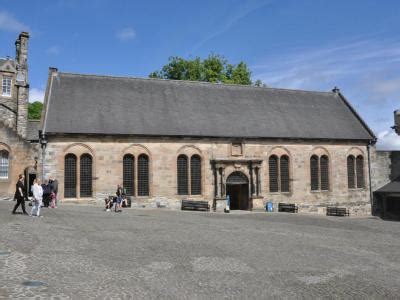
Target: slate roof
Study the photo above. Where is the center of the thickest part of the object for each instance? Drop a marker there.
(32, 133)
(90, 104)
(391, 187)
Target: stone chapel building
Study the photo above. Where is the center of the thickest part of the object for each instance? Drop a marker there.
(167, 140)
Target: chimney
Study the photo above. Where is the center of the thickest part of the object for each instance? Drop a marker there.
(21, 47)
(396, 126)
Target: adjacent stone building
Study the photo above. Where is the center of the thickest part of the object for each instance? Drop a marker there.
(168, 140)
(18, 136)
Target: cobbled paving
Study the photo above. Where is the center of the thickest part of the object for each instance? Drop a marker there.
(83, 252)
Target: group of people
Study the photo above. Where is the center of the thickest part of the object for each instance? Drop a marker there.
(118, 201)
(43, 195)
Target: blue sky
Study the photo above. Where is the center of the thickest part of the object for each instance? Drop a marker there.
(312, 45)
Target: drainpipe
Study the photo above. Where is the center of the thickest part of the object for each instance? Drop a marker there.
(372, 142)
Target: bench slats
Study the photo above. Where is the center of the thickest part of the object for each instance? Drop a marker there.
(195, 205)
(337, 211)
(287, 207)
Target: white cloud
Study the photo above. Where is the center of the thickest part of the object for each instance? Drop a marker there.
(238, 13)
(388, 140)
(36, 94)
(126, 34)
(53, 50)
(9, 23)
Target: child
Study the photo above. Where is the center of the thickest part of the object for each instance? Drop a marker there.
(37, 198)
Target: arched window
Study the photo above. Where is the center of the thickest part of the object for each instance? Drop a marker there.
(324, 169)
(86, 175)
(319, 173)
(195, 174)
(360, 171)
(355, 172)
(128, 174)
(143, 175)
(279, 180)
(4, 164)
(273, 174)
(314, 172)
(284, 172)
(182, 175)
(70, 176)
(351, 172)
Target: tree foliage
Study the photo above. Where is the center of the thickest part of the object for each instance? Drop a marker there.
(35, 110)
(214, 68)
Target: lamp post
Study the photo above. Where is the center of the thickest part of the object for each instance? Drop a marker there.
(396, 126)
(43, 144)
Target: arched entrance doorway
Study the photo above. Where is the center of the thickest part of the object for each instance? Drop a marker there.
(237, 187)
(30, 175)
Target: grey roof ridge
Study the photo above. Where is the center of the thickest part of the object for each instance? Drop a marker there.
(347, 103)
(194, 82)
(47, 101)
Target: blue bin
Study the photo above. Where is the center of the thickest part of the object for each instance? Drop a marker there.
(269, 207)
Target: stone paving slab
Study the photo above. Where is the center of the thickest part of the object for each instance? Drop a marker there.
(83, 252)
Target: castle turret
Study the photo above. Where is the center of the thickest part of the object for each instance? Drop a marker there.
(22, 83)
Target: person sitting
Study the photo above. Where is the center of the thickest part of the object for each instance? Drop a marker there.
(109, 203)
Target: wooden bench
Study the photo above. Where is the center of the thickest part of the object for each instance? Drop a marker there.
(195, 205)
(287, 207)
(337, 211)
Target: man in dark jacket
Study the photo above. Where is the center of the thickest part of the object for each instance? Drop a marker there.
(20, 194)
(46, 193)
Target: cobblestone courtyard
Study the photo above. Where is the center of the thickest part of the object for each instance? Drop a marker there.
(82, 252)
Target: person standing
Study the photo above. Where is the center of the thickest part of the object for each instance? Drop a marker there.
(55, 190)
(119, 193)
(46, 193)
(20, 194)
(37, 198)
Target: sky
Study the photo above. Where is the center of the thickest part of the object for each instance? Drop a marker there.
(310, 45)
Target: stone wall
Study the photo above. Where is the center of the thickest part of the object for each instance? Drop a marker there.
(385, 166)
(8, 118)
(107, 153)
(21, 156)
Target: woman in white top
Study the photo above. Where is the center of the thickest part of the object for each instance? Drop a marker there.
(37, 198)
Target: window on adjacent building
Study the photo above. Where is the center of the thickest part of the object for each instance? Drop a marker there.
(319, 173)
(279, 178)
(143, 175)
(4, 164)
(70, 176)
(128, 174)
(6, 85)
(355, 172)
(86, 175)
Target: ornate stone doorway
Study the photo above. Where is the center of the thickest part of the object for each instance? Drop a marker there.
(237, 187)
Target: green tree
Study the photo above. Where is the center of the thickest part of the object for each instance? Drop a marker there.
(35, 110)
(214, 68)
